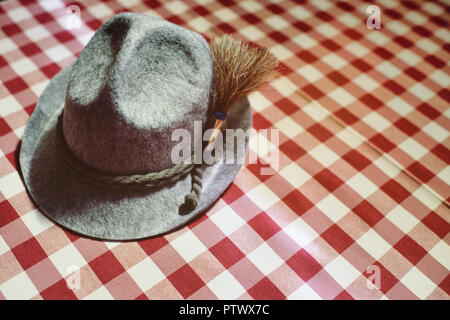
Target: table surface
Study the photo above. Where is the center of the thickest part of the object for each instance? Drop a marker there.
(362, 188)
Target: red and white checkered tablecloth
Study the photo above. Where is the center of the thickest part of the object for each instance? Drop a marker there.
(362, 187)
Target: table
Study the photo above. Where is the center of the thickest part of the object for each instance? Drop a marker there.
(361, 193)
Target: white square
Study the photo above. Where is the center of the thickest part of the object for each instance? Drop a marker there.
(51, 5)
(301, 232)
(37, 33)
(349, 20)
(295, 175)
(432, 8)
(310, 73)
(365, 82)
(356, 49)
(349, 137)
(427, 198)
(441, 78)
(226, 287)
(250, 5)
(376, 121)
(100, 10)
(265, 259)
(413, 148)
(375, 245)
(334, 61)
(188, 245)
(441, 252)
(387, 167)
(402, 219)
(252, 33)
(409, 57)
(100, 294)
(227, 220)
(36, 222)
(300, 13)
(415, 17)
(200, 24)
(444, 174)
(85, 38)
(443, 34)
(333, 208)
(327, 30)
(19, 287)
(19, 14)
(263, 196)
(422, 92)
(58, 53)
(378, 38)
(146, 274)
(9, 105)
(258, 101)
(304, 41)
(3, 246)
(316, 111)
(436, 131)
(323, 155)
(284, 86)
(38, 88)
(225, 15)
(342, 97)
(418, 283)
(129, 3)
(342, 271)
(19, 131)
(281, 52)
(23, 66)
(289, 127)
(362, 185)
(277, 23)
(6, 45)
(11, 184)
(427, 45)
(397, 27)
(388, 69)
(305, 292)
(66, 258)
(400, 106)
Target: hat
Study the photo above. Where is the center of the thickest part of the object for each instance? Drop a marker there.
(96, 152)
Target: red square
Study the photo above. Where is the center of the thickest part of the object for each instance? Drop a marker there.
(201, 10)
(394, 87)
(415, 74)
(410, 249)
(383, 53)
(368, 213)
(278, 36)
(337, 238)
(329, 180)
(445, 285)
(30, 49)
(331, 45)
(320, 132)
(259, 122)
(344, 295)
(251, 18)
(15, 85)
(11, 29)
(434, 61)
(232, 193)
(382, 143)
(403, 42)
(436, 224)
(264, 225)
(429, 111)
(356, 159)
(275, 8)
(352, 33)
(406, 126)
(226, 252)
(346, 116)
(7, 213)
(298, 202)
(152, 245)
(50, 70)
(304, 265)
(442, 152)
(387, 279)
(266, 290)
(338, 78)
(29, 253)
(421, 172)
(292, 150)
(106, 267)
(361, 65)
(287, 106)
(372, 102)
(313, 92)
(59, 291)
(226, 28)
(395, 191)
(186, 281)
(306, 56)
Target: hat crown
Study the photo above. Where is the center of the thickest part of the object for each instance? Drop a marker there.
(137, 80)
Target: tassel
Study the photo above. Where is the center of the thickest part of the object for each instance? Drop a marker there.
(238, 70)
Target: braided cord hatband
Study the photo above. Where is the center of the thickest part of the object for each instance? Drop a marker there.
(136, 181)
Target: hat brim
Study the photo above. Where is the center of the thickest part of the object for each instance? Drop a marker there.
(109, 214)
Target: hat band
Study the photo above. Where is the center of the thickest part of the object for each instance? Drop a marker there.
(136, 181)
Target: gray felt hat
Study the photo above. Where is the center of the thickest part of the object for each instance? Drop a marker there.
(137, 80)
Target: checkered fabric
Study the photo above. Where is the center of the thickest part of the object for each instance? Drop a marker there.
(361, 192)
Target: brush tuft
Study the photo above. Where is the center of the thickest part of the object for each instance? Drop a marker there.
(238, 70)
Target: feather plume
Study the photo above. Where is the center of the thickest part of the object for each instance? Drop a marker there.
(238, 70)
